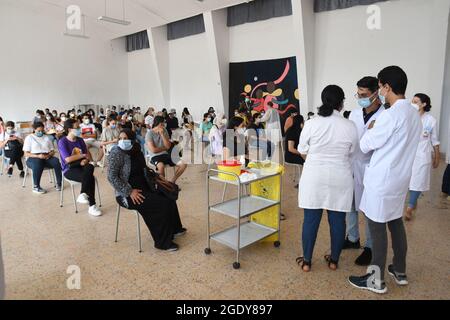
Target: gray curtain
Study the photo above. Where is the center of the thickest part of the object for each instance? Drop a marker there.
(328, 5)
(137, 41)
(258, 10)
(186, 27)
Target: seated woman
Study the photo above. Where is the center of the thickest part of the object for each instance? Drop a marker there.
(256, 137)
(110, 135)
(40, 154)
(12, 143)
(234, 144)
(75, 159)
(291, 154)
(50, 126)
(205, 127)
(126, 175)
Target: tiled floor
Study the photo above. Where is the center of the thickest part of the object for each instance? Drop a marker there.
(40, 241)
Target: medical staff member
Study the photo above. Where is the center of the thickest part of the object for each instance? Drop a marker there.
(425, 158)
(326, 142)
(394, 139)
(370, 108)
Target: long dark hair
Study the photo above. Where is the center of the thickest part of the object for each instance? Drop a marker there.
(68, 125)
(332, 98)
(425, 99)
(136, 149)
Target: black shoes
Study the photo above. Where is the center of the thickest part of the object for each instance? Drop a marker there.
(365, 258)
(400, 279)
(351, 245)
(181, 233)
(10, 172)
(173, 247)
(22, 174)
(368, 282)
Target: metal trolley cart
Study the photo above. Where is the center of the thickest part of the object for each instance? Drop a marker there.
(245, 232)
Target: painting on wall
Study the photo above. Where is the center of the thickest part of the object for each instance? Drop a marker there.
(255, 84)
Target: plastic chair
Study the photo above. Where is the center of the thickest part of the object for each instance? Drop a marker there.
(72, 186)
(3, 159)
(138, 219)
(51, 173)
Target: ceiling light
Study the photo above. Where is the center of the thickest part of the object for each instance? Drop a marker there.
(114, 20)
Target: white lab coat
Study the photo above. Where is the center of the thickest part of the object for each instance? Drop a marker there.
(327, 180)
(421, 172)
(361, 160)
(394, 139)
(273, 125)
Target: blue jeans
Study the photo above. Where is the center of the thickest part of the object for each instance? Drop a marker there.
(413, 197)
(311, 225)
(353, 229)
(38, 166)
(141, 140)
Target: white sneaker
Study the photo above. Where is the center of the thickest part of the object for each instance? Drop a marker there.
(83, 198)
(94, 211)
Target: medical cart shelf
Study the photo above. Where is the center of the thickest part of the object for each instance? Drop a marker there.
(249, 206)
(244, 233)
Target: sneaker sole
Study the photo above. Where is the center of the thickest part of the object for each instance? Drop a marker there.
(39, 192)
(379, 291)
(179, 234)
(400, 283)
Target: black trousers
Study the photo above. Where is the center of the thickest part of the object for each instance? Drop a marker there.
(15, 157)
(84, 175)
(161, 216)
(446, 181)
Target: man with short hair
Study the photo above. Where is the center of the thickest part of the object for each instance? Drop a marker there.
(393, 139)
(160, 149)
(370, 108)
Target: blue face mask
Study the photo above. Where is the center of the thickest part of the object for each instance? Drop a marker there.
(77, 132)
(113, 126)
(125, 145)
(39, 134)
(382, 98)
(365, 102)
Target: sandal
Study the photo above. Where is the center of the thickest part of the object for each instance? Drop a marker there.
(333, 265)
(306, 265)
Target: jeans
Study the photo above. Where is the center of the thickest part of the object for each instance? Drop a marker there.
(446, 181)
(38, 166)
(311, 225)
(141, 140)
(413, 197)
(352, 219)
(84, 175)
(380, 245)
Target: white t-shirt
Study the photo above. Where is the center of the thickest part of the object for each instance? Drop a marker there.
(88, 129)
(149, 120)
(37, 145)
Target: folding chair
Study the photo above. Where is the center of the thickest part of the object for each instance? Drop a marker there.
(72, 186)
(138, 226)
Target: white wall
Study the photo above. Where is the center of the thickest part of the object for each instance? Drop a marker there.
(143, 82)
(40, 67)
(262, 40)
(192, 79)
(413, 36)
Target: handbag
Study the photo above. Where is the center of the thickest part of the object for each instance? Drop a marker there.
(157, 184)
(75, 164)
